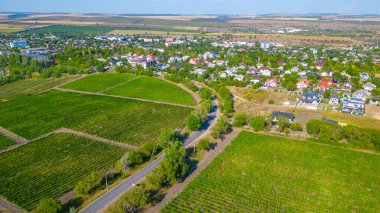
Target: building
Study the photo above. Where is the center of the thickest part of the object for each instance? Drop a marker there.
(353, 106)
(209, 55)
(361, 94)
(277, 114)
(369, 86)
(309, 101)
(272, 82)
(21, 43)
(364, 76)
(334, 99)
(303, 84)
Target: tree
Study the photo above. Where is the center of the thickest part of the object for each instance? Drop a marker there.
(135, 199)
(282, 123)
(174, 166)
(221, 127)
(194, 122)
(271, 102)
(258, 123)
(167, 137)
(327, 94)
(203, 144)
(135, 158)
(89, 183)
(296, 126)
(49, 205)
(154, 180)
(124, 162)
(313, 126)
(240, 119)
(148, 149)
(205, 93)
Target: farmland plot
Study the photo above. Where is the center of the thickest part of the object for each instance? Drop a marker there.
(98, 82)
(153, 89)
(5, 142)
(29, 87)
(51, 167)
(122, 120)
(260, 173)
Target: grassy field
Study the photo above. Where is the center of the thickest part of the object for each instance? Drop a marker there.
(9, 28)
(71, 28)
(98, 82)
(5, 142)
(260, 173)
(123, 120)
(51, 167)
(151, 32)
(29, 87)
(153, 89)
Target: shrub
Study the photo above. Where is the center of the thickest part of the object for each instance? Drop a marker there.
(258, 123)
(194, 122)
(270, 102)
(88, 184)
(49, 205)
(240, 120)
(203, 144)
(296, 126)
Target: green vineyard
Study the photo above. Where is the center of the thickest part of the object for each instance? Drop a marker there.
(29, 87)
(98, 82)
(5, 142)
(51, 167)
(261, 173)
(122, 120)
(153, 89)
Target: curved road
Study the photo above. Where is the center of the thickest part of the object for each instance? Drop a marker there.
(110, 196)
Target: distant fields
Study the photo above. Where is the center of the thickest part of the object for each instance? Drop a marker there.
(153, 89)
(29, 87)
(122, 120)
(260, 173)
(98, 82)
(5, 142)
(51, 167)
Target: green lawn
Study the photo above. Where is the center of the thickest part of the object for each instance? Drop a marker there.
(29, 87)
(98, 82)
(153, 89)
(123, 120)
(260, 173)
(51, 167)
(5, 142)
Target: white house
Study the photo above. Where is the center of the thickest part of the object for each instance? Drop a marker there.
(361, 94)
(369, 86)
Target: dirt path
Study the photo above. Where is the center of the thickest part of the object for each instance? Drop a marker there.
(12, 136)
(132, 79)
(178, 188)
(9, 207)
(129, 98)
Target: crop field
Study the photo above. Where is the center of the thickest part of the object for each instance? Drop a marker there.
(71, 28)
(29, 87)
(51, 167)
(261, 173)
(151, 32)
(122, 120)
(153, 89)
(9, 28)
(5, 142)
(98, 82)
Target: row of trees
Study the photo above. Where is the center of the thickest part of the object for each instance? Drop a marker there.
(326, 132)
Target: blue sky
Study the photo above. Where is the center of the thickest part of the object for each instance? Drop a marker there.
(193, 6)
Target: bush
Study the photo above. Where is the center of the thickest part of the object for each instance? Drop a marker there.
(240, 120)
(205, 93)
(88, 184)
(135, 158)
(49, 205)
(203, 145)
(313, 126)
(194, 122)
(258, 123)
(154, 180)
(296, 126)
(270, 102)
(135, 199)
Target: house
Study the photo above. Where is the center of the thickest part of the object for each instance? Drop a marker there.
(369, 86)
(265, 72)
(239, 77)
(334, 99)
(272, 82)
(21, 43)
(319, 64)
(325, 84)
(303, 84)
(289, 116)
(361, 94)
(193, 61)
(256, 80)
(353, 106)
(309, 97)
(208, 55)
(364, 76)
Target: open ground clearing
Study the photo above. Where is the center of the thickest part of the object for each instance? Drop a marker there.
(5, 142)
(29, 87)
(153, 89)
(261, 173)
(118, 119)
(98, 82)
(51, 167)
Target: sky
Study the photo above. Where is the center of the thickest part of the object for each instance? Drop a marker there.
(228, 7)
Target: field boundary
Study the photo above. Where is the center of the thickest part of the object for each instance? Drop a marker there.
(11, 135)
(183, 87)
(111, 87)
(124, 97)
(68, 131)
(10, 206)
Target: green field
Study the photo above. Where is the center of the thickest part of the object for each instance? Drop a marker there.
(123, 120)
(153, 89)
(51, 167)
(260, 173)
(98, 82)
(5, 142)
(29, 87)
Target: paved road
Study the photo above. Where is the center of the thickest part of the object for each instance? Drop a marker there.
(107, 198)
